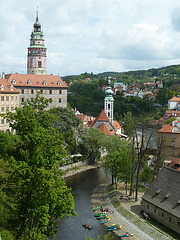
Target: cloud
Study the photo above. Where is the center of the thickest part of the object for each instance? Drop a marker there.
(91, 35)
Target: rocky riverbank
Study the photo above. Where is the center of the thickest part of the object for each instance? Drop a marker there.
(82, 168)
(126, 213)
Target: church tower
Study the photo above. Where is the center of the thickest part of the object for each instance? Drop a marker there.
(109, 102)
(36, 59)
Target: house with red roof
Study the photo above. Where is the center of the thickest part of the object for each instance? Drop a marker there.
(169, 137)
(174, 103)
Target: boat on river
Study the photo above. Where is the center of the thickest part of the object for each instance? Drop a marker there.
(126, 235)
(106, 220)
(96, 208)
(87, 226)
(114, 227)
(100, 214)
(102, 217)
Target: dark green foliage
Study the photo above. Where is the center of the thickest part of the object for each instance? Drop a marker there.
(34, 192)
(69, 126)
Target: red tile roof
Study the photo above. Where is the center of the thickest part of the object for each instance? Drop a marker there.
(175, 163)
(101, 117)
(104, 128)
(167, 128)
(7, 88)
(36, 80)
(175, 99)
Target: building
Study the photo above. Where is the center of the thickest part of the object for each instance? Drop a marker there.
(36, 80)
(169, 114)
(169, 136)
(50, 86)
(109, 102)
(36, 58)
(162, 199)
(9, 100)
(174, 103)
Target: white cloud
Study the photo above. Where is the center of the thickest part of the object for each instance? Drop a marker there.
(92, 35)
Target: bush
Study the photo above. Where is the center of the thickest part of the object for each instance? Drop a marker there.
(6, 235)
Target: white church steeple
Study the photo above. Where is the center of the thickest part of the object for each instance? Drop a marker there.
(109, 102)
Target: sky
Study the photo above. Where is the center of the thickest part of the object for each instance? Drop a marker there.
(92, 35)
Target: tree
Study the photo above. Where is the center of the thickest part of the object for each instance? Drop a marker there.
(94, 145)
(118, 159)
(40, 195)
(146, 176)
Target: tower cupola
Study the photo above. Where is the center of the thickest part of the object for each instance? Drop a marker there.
(109, 102)
(36, 59)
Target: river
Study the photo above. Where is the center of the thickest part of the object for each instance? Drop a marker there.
(82, 185)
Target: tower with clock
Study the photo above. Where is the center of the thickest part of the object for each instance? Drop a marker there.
(36, 59)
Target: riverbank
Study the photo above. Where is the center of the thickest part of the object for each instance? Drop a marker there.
(126, 213)
(83, 167)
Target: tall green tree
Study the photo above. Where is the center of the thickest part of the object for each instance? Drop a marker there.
(40, 195)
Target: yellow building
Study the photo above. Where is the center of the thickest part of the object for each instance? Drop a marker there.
(169, 136)
(9, 99)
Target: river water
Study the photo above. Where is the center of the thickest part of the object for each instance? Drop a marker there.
(82, 185)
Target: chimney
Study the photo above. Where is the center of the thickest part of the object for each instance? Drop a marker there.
(3, 75)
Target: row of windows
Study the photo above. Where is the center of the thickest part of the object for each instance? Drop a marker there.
(7, 98)
(162, 215)
(7, 108)
(59, 100)
(41, 91)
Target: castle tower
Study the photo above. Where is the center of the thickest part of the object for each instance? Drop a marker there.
(109, 102)
(36, 59)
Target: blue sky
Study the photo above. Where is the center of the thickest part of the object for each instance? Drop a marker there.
(92, 35)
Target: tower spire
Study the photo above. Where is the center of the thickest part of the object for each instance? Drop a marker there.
(36, 61)
(109, 102)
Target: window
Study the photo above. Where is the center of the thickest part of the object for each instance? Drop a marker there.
(147, 206)
(2, 109)
(59, 100)
(12, 98)
(44, 82)
(2, 121)
(7, 98)
(13, 81)
(32, 91)
(109, 106)
(7, 108)
(178, 224)
(22, 91)
(173, 136)
(162, 215)
(22, 99)
(169, 219)
(39, 64)
(2, 98)
(29, 81)
(7, 121)
(173, 144)
(50, 100)
(58, 83)
(12, 108)
(50, 91)
(60, 91)
(41, 91)
(173, 151)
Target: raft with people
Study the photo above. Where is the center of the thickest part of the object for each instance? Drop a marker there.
(88, 226)
(106, 220)
(100, 214)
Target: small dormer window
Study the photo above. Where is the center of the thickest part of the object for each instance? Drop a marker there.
(13, 81)
(29, 81)
(44, 82)
(2, 87)
(58, 83)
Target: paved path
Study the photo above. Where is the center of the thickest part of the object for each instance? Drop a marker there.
(132, 224)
